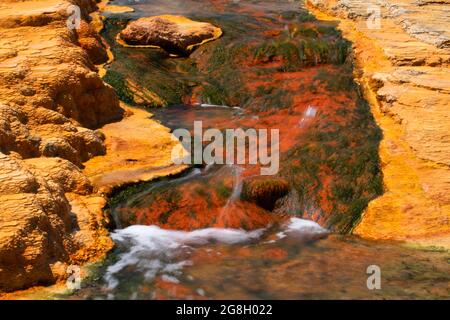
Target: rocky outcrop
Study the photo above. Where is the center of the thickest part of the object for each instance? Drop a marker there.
(40, 235)
(138, 149)
(53, 107)
(51, 103)
(117, 9)
(403, 61)
(175, 34)
(92, 43)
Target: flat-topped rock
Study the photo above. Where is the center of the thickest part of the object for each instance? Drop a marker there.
(175, 34)
(138, 149)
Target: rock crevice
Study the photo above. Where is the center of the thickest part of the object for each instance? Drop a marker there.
(51, 103)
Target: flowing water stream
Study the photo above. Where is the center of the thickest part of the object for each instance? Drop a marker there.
(222, 232)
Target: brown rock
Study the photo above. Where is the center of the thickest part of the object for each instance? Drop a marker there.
(265, 191)
(60, 171)
(41, 232)
(117, 9)
(49, 88)
(49, 93)
(92, 43)
(175, 34)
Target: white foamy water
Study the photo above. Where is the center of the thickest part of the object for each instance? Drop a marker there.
(153, 251)
(209, 105)
(311, 112)
(237, 185)
(302, 227)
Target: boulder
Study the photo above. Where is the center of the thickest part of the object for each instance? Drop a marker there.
(264, 191)
(175, 34)
(51, 102)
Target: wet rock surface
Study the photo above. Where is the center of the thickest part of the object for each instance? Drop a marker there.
(265, 191)
(51, 100)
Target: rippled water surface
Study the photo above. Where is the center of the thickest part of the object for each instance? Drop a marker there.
(297, 260)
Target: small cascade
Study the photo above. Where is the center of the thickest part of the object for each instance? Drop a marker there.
(202, 235)
(237, 185)
(310, 113)
(237, 189)
(150, 252)
(289, 204)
